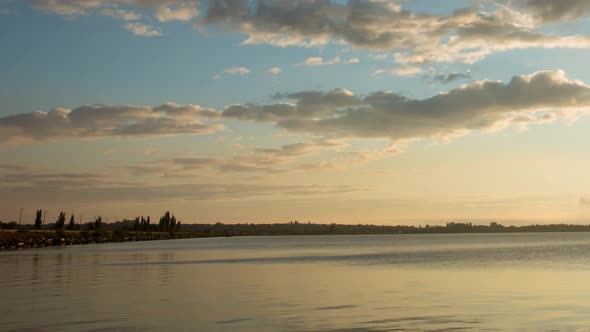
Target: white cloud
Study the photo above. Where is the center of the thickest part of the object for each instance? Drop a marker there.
(275, 70)
(185, 11)
(378, 56)
(319, 61)
(140, 29)
(163, 10)
(399, 71)
(127, 10)
(125, 15)
(237, 71)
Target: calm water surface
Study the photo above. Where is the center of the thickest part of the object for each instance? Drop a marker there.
(522, 282)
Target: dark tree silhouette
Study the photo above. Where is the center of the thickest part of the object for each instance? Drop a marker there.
(72, 223)
(38, 219)
(98, 223)
(172, 225)
(61, 221)
(167, 222)
(137, 224)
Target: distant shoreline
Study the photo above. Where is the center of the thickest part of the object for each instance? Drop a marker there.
(26, 238)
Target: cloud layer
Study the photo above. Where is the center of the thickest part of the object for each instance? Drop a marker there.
(557, 10)
(485, 105)
(103, 120)
(98, 187)
(466, 35)
(131, 11)
(541, 97)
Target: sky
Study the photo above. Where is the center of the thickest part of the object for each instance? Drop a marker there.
(364, 111)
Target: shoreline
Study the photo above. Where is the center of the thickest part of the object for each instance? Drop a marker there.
(11, 240)
(30, 239)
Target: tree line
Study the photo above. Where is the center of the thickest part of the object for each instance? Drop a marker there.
(168, 223)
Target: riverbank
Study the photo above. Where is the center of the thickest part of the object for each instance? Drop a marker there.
(14, 239)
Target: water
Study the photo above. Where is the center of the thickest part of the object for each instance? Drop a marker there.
(523, 282)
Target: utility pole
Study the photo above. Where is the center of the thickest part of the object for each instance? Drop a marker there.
(44, 214)
(20, 218)
(80, 221)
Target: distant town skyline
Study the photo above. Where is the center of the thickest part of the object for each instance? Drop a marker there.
(360, 111)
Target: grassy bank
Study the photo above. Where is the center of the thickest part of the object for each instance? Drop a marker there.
(19, 239)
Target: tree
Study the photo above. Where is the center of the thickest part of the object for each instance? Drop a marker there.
(38, 219)
(172, 225)
(164, 220)
(167, 222)
(98, 223)
(72, 223)
(61, 221)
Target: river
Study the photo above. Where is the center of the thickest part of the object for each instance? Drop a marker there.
(451, 282)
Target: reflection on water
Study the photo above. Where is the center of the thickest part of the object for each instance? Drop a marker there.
(318, 283)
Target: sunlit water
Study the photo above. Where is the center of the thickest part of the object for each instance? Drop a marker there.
(524, 282)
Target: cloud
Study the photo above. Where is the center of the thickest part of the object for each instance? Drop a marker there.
(140, 29)
(311, 104)
(275, 70)
(128, 10)
(449, 78)
(557, 10)
(467, 35)
(253, 160)
(378, 56)
(237, 71)
(91, 187)
(163, 10)
(122, 14)
(176, 167)
(183, 11)
(399, 71)
(89, 194)
(319, 61)
(289, 150)
(538, 98)
(27, 178)
(484, 105)
(187, 111)
(103, 120)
